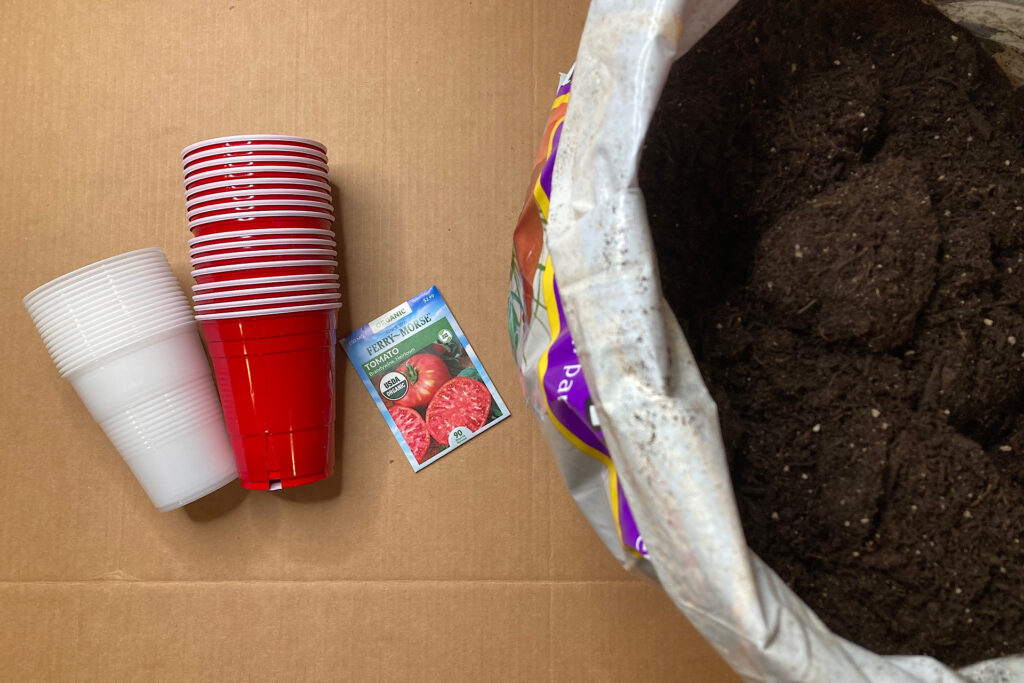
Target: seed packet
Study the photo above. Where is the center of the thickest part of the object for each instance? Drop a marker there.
(425, 378)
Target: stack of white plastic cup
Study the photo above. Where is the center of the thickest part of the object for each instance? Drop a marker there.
(122, 332)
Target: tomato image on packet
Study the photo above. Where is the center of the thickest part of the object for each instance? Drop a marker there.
(425, 378)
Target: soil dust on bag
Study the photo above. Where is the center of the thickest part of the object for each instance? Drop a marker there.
(836, 192)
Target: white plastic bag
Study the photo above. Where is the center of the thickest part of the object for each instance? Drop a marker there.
(642, 427)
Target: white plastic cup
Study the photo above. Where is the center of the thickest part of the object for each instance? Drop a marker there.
(67, 310)
(242, 185)
(240, 141)
(262, 233)
(122, 332)
(96, 329)
(70, 308)
(261, 244)
(266, 301)
(89, 276)
(117, 276)
(70, 350)
(240, 195)
(104, 306)
(73, 353)
(284, 310)
(116, 340)
(315, 287)
(145, 269)
(105, 322)
(298, 254)
(71, 365)
(158, 404)
(226, 284)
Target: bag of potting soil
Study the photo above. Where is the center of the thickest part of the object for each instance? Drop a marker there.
(610, 376)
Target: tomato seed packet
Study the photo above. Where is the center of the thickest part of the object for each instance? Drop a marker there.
(425, 378)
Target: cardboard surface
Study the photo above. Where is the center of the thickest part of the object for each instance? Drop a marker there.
(478, 567)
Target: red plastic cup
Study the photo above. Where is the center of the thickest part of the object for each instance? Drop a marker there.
(260, 220)
(254, 245)
(252, 150)
(229, 285)
(263, 269)
(247, 205)
(283, 184)
(262, 312)
(242, 141)
(282, 196)
(245, 161)
(271, 290)
(275, 374)
(279, 173)
(246, 257)
(256, 235)
(295, 164)
(267, 303)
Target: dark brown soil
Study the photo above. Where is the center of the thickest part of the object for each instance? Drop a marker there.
(836, 192)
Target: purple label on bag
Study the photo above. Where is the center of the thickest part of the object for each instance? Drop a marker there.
(570, 405)
(535, 304)
(567, 392)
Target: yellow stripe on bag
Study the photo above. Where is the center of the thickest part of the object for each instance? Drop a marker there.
(539, 196)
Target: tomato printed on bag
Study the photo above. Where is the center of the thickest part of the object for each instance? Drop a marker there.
(425, 378)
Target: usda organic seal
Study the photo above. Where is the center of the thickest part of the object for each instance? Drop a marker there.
(394, 386)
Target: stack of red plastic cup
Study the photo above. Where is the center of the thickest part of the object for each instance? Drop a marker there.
(266, 297)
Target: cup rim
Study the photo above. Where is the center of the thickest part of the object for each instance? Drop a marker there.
(84, 301)
(260, 301)
(110, 327)
(309, 242)
(88, 297)
(313, 287)
(192, 179)
(284, 310)
(267, 279)
(258, 193)
(248, 215)
(284, 203)
(69, 351)
(149, 252)
(251, 233)
(263, 265)
(64, 339)
(162, 332)
(64, 345)
(301, 182)
(232, 256)
(255, 159)
(252, 149)
(84, 309)
(152, 271)
(256, 137)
